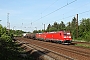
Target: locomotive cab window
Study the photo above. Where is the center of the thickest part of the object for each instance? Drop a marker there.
(66, 34)
(60, 33)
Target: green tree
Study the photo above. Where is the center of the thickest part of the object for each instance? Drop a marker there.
(48, 27)
(55, 25)
(62, 26)
(84, 29)
(73, 27)
(35, 31)
(68, 27)
(52, 29)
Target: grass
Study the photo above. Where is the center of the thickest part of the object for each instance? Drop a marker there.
(83, 45)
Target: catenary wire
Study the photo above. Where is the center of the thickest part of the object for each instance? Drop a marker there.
(55, 10)
(73, 15)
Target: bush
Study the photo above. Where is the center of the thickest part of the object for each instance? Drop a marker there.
(6, 38)
(87, 37)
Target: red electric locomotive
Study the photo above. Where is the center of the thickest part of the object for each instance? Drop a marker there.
(60, 37)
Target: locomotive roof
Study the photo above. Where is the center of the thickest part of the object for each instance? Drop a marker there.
(56, 32)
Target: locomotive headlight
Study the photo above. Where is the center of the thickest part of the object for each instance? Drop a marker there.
(64, 36)
(69, 36)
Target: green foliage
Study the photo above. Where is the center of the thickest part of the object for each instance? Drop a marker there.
(87, 36)
(6, 38)
(56, 27)
(52, 29)
(16, 32)
(35, 31)
(83, 28)
(38, 31)
(0, 30)
(9, 50)
(49, 26)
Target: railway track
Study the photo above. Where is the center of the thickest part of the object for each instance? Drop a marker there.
(63, 50)
(69, 49)
(52, 54)
(75, 53)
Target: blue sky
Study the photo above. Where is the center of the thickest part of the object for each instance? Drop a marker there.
(25, 14)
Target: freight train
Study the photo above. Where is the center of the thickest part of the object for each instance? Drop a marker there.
(58, 37)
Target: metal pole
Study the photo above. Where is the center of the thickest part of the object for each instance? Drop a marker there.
(44, 27)
(8, 24)
(77, 25)
(7, 20)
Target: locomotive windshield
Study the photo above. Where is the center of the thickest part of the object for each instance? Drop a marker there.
(66, 34)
